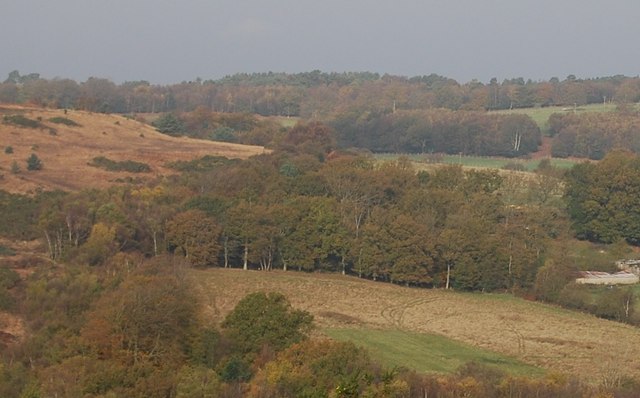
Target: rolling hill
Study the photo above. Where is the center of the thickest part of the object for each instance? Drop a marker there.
(67, 142)
(549, 337)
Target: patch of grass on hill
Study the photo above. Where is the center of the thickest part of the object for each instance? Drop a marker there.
(428, 352)
(127, 165)
(205, 163)
(63, 120)
(22, 121)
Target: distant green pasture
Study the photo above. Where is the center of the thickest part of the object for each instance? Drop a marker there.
(286, 121)
(429, 353)
(540, 115)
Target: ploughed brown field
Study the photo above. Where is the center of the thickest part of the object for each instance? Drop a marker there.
(553, 338)
(67, 154)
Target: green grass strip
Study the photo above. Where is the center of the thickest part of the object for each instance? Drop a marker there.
(429, 353)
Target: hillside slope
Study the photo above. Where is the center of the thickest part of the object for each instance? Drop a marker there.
(538, 334)
(67, 152)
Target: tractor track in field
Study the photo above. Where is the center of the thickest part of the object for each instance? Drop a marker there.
(394, 314)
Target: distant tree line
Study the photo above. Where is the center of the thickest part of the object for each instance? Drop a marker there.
(314, 94)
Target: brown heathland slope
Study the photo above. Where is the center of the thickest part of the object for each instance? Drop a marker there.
(542, 335)
(66, 154)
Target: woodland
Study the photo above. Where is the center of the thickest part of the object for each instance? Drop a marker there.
(110, 310)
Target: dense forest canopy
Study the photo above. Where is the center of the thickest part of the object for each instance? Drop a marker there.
(595, 134)
(315, 94)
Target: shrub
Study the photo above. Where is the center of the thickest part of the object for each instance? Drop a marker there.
(34, 163)
(22, 121)
(8, 149)
(6, 251)
(126, 165)
(205, 163)
(8, 279)
(63, 120)
(15, 168)
(235, 369)
(224, 133)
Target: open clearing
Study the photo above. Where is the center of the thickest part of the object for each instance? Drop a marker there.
(540, 335)
(540, 115)
(66, 153)
(428, 352)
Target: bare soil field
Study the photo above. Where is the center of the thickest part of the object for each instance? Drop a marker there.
(67, 152)
(556, 339)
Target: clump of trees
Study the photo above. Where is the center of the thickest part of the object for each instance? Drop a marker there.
(228, 127)
(439, 131)
(169, 124)
(602, 198)
(593, 135)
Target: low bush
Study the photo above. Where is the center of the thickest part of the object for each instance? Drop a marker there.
(126, 165)
(63, 120)
(205, 163)
(6, 251)
(22, 121)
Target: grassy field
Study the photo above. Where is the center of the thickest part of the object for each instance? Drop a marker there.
(66, 150)
(541, 115)
(285, 121)
(539, 335)
(426, 352)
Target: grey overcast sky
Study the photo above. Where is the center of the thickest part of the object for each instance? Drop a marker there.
(169, 41)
